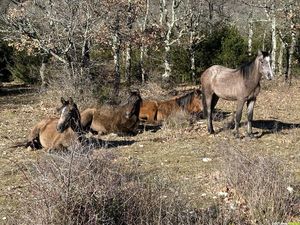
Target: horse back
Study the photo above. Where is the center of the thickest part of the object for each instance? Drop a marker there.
(47, 131)
(165, 108)
(104, 118)
(87, 117)
(225, 82)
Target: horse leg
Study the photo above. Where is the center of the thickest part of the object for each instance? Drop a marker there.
(209, 114)
(250, 107)
(214, 102)
(238, 116)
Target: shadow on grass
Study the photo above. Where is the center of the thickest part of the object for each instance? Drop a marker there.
(16, 90)
(267, 126)
(148, 127)
(273, 126)
(114, 144)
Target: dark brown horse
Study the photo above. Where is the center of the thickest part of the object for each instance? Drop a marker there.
(241, 85)
(119, 119)
(157, 111)
(58, 133)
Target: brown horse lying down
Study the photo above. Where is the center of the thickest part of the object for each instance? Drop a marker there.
(58, 133)
(148, 111)
(154, 112)
(119, 119)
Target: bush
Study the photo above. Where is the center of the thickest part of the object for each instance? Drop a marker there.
(259, 186)
(5, 59)
(224, 46)
(25, 67)
(81, 189)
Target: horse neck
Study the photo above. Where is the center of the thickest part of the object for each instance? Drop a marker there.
(255, 76)
(77, 128)
(184, 101)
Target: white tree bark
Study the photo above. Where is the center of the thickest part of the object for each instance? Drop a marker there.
(143, 48)
(274, 47)
(280, 58)
(250, 34)
(169, 41)
(116, 47)
(128, 65)
(290, 53)
(42, 74)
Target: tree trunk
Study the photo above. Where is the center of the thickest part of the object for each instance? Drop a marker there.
(143, 47)
(210, 13)
(42, 73)
(116, 53)
(128, 60)
(167, 73)
(162, 9)
(250, 35)
(170, 25)
(273, 56)
(290, 53)
(116, 46)
(142, 55)
(192, 56)
(280, 58)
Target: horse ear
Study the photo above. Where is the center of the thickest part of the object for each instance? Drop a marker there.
(259, 52)
(71, 102)
(63, 101)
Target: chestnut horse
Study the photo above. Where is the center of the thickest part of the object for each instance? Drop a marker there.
(148, 111)
(120, 119)
(58, 133)
(156, 111)
(241, 85)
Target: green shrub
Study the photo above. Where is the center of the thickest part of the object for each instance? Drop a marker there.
(5, 59)
(25, 67)
(224, 46)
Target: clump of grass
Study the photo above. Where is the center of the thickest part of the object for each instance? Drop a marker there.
(177, 120)
(81, 189)
(260, 186)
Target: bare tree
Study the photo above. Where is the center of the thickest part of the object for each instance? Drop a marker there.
(171, 35)
(62, 29)
(193, 27)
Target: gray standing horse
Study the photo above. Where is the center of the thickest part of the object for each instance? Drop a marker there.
(241, 85)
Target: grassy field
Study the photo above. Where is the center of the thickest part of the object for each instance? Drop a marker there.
(180, 153)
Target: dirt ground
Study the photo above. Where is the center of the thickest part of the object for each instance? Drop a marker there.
(187, 155)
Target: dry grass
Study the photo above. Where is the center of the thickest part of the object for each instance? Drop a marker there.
(177, 156)
(81, 189)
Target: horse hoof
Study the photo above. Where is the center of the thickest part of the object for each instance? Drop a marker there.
(250, 136)
(211, 132)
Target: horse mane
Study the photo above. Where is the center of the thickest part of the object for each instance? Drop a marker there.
(247, 68)
(185, 99)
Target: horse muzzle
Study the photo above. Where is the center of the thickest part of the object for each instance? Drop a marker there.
(269, 76)
(60, 128)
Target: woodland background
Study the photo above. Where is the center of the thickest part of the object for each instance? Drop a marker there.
(107, 44)
(94, 51)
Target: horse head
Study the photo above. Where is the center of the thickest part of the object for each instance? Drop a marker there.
(69, 116)
(133, 104)
(264, 65)
(190, 102)
(196, 103)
